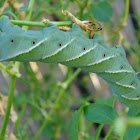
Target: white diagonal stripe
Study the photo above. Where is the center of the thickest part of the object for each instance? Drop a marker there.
(61, 48)
(82, 54)
(119, 71)
(102, 60)
(129, 86)
(26, 51)
(130, 98)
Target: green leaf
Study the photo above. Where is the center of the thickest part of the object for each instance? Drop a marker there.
(132, 133)
(100, 113)
(107, 101)
(102, 12)
(22, 9)
(73, 126)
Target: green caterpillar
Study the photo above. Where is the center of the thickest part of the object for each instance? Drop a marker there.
(72, 48)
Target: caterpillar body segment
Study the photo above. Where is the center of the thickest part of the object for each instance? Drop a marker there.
(72, 48)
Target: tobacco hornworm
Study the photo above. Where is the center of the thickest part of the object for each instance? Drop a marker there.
(72, 48)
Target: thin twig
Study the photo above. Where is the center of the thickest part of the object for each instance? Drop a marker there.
(9, 104)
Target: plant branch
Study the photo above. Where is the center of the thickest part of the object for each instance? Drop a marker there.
(79, 3)
(126, 13)
(14, 72)
(124, 22)
(98, 131)
(8, 108)
(57, 102)
(10, 72)
(41, 24)
(133, 121)
(82, 7)
(108, 133)
(30, 9)
(125, 112)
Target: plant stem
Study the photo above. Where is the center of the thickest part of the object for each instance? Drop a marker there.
(4, 68)
(41, 24)
(124, 21)
(17, 124)
(98, 131)
(89, 126)
(126, 13)
(58, 23)
(82, 7)
(135, 121)
(125, 112)
(109, 132)
(79, 3)
(57, 102)
(50, 113)
(10, 99)
(14, 72)
(30, 10)
(81, 13)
